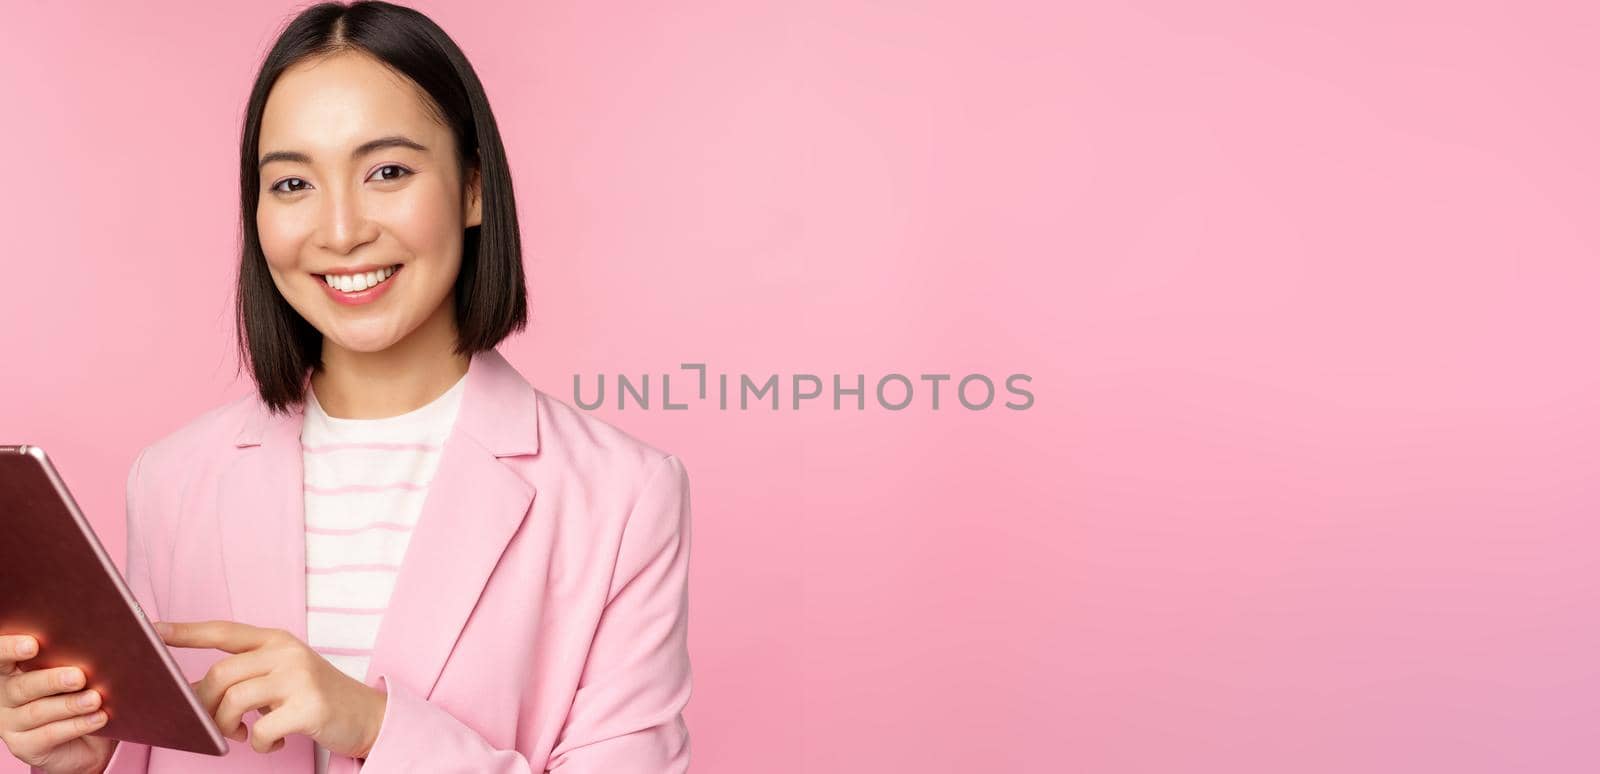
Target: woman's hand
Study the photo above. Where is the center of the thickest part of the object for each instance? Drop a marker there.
(297, 690)
(41, 720)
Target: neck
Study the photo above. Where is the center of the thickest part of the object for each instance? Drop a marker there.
(392, 381)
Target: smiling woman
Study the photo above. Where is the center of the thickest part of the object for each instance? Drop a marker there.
(395, 554)
(351, 168)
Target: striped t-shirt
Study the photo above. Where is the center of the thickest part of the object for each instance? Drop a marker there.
(365, 481)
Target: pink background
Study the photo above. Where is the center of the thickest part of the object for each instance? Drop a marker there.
(1308, 296)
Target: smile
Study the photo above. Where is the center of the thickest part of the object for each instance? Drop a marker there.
(363, 288)
(354, 283)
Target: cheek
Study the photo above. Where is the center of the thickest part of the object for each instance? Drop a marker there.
(280, 239)
(428, 224)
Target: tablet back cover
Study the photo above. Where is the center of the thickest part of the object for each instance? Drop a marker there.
(58, 584)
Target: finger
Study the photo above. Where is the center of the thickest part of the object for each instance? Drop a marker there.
(267, 733)
(36, 744)
(14, 648)
(227, 672)
(241, 698)
(52, 708)
(22, 688)
(230, 636)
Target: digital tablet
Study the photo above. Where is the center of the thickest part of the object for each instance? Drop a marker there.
(58, 585)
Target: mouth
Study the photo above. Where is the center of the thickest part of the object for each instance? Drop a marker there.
(359, 282)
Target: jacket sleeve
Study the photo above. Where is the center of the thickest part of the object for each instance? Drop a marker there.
(627, 715)
(133, 757)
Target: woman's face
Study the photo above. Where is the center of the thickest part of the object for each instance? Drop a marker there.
(358, 176)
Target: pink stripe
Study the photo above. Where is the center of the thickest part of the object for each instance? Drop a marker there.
(352, 568)
(352, 488)
(346, 610)
(333, 447)
(345, 651)
(390, 525)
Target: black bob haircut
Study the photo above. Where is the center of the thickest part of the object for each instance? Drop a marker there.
(490, 295)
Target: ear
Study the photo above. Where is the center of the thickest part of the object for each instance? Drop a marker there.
(473, 214)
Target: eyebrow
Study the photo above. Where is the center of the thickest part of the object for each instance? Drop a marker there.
(392, 141)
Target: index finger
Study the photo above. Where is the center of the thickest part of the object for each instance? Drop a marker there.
(231, 636)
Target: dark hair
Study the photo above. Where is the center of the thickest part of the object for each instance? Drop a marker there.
(490, 296)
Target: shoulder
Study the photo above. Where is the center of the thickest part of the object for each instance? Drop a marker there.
(590, 443)
(608, 460)
(632, 490)
(197, 441)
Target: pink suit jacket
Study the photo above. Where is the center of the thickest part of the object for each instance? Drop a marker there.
(538, 621)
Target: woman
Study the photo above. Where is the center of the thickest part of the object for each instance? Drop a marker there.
(396, 554)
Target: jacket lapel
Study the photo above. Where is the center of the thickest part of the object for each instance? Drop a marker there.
(262, 508)
(475, 503)
(260, 504)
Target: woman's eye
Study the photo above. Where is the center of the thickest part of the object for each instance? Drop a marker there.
(397, 168)
(399, 172)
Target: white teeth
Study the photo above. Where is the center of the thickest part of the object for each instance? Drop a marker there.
(355, 283)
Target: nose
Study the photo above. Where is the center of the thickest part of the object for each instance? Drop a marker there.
(344, 223)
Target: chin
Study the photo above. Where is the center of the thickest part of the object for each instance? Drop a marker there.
(364, 344)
